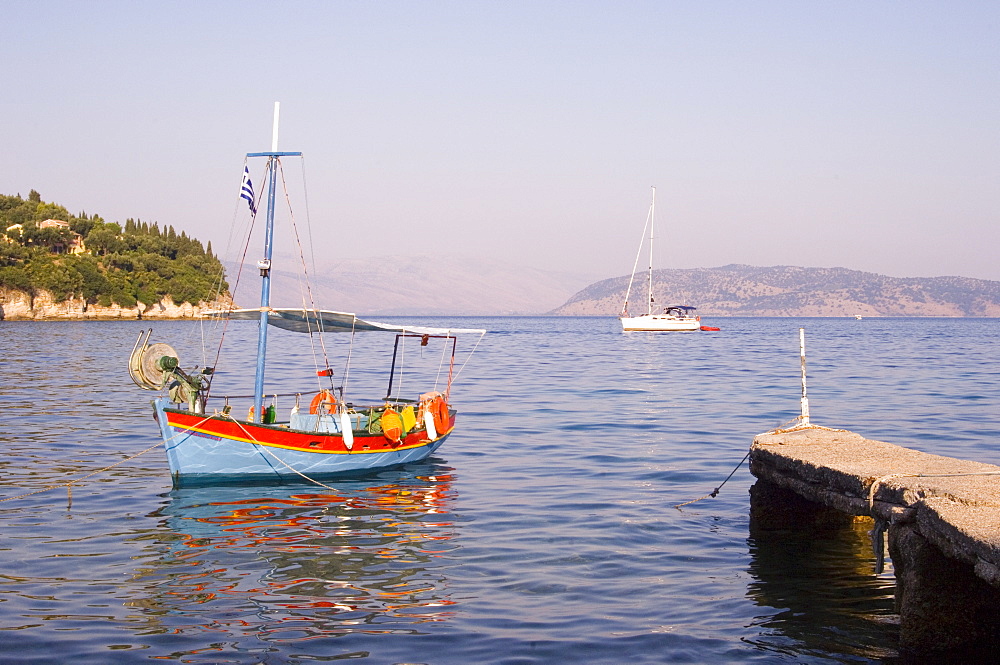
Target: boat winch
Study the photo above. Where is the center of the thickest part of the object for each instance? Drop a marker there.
(157, 366)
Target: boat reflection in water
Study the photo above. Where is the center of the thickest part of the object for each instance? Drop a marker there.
(293, 563)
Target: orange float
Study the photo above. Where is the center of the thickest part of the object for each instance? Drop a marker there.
(442, 420)
(392, 425)
(324, 399)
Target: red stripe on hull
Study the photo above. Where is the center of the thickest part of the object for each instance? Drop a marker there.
(282, 437)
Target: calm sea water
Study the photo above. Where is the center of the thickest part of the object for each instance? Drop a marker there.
(543, 532)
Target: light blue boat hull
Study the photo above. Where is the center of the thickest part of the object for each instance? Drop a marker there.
(196, 458)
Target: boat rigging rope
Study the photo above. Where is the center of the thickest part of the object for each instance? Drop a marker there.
(635, 266)
(305, 196)
(468, 357)
(308, 301)
(347, 361)
(236, 284)
(714, 493)
(232, 235)
(437, 377)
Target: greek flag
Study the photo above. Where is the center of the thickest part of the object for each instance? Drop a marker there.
(246, 192)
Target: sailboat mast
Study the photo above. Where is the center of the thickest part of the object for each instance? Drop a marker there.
(265, 264)
(652, 226)
(638, 255)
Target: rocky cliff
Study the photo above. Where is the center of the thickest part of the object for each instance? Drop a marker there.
(20, 305)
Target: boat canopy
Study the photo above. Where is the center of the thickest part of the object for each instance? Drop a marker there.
(323, 320)
(679, 310)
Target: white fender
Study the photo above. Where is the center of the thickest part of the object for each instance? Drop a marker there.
(429, 424)
(347, 429)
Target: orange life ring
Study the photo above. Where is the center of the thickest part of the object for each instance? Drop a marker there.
(326, 399)
(392, 425)
(442, 419)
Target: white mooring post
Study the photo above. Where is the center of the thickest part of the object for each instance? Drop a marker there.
(804, 401)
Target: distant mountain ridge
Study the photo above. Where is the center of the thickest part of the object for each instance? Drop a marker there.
(415, 285)
(742, 290)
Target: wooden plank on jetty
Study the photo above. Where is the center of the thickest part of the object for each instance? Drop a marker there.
(942, 515)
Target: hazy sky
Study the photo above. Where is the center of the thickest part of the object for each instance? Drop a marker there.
(856, 134)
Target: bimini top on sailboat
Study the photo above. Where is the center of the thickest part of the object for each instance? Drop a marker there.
(326, 435)
(673, 317)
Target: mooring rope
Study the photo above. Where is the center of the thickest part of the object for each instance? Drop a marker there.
(283, 463)
(881, 525)
(714, 493)
(70, 484)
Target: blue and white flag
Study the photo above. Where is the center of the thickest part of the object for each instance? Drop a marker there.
(246, 192)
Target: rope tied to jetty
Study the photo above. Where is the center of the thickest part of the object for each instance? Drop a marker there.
(799, 423)
(714, 493)
(877, 534)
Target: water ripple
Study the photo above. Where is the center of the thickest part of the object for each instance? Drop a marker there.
(544, 532)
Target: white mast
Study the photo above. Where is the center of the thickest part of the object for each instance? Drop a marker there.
(652, 224)
(638, 255)
(274, 129)
(265, 264)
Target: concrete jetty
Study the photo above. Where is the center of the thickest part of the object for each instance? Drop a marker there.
(942, 516)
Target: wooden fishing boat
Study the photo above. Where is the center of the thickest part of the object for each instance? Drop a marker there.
(672, 317)
(208, 441)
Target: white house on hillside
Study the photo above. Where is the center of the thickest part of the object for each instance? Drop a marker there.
(76, 244)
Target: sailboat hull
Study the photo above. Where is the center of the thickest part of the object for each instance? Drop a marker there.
(216, 449)
(660, 323)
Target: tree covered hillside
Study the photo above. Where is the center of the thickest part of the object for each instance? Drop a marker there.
(45, 248)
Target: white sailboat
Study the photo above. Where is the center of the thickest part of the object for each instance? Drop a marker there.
(673, 317)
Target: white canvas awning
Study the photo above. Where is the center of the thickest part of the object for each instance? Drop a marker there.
(322, 320)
